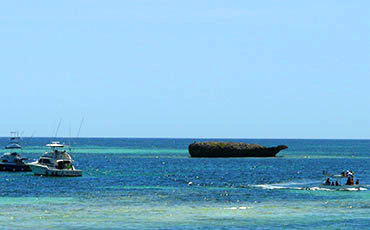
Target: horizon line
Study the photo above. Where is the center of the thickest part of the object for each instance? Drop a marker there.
(230, 138)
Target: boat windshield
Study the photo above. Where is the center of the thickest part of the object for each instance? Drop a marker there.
(45, 161)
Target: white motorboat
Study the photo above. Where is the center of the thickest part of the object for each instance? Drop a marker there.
(343, 181)
(12, 160)
(56, 162)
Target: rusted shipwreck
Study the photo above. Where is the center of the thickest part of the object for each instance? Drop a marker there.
(232, 149)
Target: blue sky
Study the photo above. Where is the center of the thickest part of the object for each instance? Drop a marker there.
(248, 69)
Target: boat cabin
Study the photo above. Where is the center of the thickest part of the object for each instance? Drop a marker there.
(45, 161)
(11, 158)
(64, 164)
(56, 157)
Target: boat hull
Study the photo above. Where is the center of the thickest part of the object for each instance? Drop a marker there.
(14, 168)
(42, 170)
(342, 187)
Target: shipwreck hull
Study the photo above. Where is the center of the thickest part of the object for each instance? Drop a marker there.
(231, 149)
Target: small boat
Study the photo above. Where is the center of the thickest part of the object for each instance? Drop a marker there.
(12, 161)
(56, 162)
(343, 181)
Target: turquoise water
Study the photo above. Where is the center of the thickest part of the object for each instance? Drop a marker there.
(154, 184)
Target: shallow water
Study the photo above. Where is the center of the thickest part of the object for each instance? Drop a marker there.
(154, 184)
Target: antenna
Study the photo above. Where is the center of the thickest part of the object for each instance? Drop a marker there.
(70, 136)
(56, 132)
(78, 133)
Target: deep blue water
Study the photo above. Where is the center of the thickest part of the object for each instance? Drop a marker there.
(154, 184)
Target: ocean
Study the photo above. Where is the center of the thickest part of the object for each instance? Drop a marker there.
(130, 183)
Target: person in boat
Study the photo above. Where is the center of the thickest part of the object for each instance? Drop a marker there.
(332, 183)
(357, 182)
(349, 181)
(327, 182)
(337, 184)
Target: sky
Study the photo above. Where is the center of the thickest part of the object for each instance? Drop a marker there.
(186, 69)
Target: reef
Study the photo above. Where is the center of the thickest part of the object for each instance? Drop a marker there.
(232, 149)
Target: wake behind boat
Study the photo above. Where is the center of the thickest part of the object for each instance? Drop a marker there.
(56, 162)
(12, 161)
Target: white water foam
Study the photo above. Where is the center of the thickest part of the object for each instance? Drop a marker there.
(313, 188)
(239, 208)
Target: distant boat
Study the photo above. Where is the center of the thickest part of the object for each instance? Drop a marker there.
(56, 162)
(232, 149)
(12, 161)
(335, 181)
